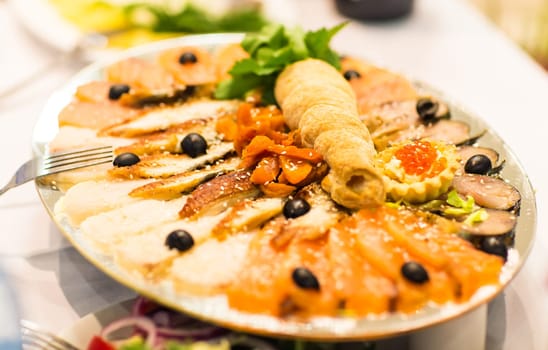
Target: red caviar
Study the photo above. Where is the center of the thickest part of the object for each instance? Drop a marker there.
(417, 157)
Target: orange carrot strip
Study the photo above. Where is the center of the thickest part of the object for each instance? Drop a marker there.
(226, 125)
(274, 189)
(295, 152)
(295, 170)
(266, 171)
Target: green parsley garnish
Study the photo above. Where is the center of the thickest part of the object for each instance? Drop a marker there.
(193, 19)
(271, 50)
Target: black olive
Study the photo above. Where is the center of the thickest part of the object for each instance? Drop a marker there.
(414, 272)
(294, 208)
(188, 57)
(126, 159)
(242, 347)
(351, 74)
(478, 164)
(117, 90)
(180, 240)
(304, 278)
(194, 145)
(495, 246)
(427, 109)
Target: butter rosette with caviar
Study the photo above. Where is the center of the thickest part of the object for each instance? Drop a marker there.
(419, 170)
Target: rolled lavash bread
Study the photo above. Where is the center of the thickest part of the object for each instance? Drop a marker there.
(318, 101)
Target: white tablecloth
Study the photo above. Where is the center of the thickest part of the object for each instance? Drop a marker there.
(444, 43)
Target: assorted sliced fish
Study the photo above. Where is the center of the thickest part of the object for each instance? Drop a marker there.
(199, 221)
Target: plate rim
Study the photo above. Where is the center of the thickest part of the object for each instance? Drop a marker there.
(442, 315)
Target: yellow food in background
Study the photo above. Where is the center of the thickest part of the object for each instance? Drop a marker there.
(92, 15)
(102, 16)
(129, 23)
(137, 36)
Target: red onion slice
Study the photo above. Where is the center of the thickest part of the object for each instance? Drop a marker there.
(142, 323)
(205, 332)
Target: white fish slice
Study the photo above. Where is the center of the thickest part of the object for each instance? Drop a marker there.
(161, 119)
(248, 215)
(148, 255)
(166, 165)
(90, 198)
(224, 260)
(111, 227)
(174, 186)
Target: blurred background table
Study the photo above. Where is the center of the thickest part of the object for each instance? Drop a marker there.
(444, 42)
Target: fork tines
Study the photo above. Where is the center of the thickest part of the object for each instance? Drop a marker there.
(33, 337)
(77, 159)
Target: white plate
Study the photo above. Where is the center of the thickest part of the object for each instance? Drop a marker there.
(216, 309)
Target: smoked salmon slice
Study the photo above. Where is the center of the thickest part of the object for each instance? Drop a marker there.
(197, 69)
(95, 115)
(225, 58)
(360, 288)
(140, 74)
(387, 252)
(375, 85)
(252, 290)
(95, 91)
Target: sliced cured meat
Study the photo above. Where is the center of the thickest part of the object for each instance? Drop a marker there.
(498, 222)
(219, 194)
(450, 131)
(487, 191)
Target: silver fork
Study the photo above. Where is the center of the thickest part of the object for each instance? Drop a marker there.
(34, 337)
(59, 162)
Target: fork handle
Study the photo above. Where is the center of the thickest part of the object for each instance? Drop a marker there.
(11, 184)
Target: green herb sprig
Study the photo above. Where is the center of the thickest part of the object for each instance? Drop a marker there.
(193, 19)
(271, 50)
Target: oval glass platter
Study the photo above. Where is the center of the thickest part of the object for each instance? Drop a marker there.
(216, 309)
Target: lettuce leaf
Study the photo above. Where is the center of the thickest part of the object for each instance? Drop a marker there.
(271, 50)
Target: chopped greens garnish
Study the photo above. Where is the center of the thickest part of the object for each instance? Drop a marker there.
(134, 343)
(271, 50)
(476, 217)
(193, 19)
(459, 205)
(456, 206)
